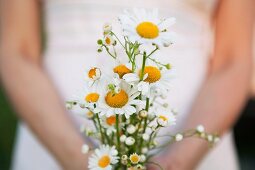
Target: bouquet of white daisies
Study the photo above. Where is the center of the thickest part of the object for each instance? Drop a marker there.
(127, 107)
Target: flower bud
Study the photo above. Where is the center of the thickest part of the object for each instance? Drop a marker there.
(131, 129)
(200, 128)
(123, 138)
(144, 150)
(210, 138)
(107, 28)
(146, 137)
(178, 137)
(124, 157)
(143, 113)
(85, 149)
(139, 166)
(142, 158)
(124, 162)
(130, 141)
(69, 106)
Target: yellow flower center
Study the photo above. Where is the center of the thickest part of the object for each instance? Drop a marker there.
(134, 158)
(107, 40)
(104, 161)
(92, 72)
(111, 120)
(116, 100)
(147, 30)
(153, 74)
(92, 97)
(163, 118)
(90, 114)
(121, 70)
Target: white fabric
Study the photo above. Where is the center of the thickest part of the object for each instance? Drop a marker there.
(72, 28)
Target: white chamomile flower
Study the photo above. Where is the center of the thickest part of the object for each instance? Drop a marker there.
(122, 69)
(88, 98)
(94, 73)
(85, 149)
(153, 79)
(145, 27)
(119, 103)
(134, 158)
(165, 117)
(103, 158)
(134, 79)
(109, 124)
(96, 80)
(109, 40)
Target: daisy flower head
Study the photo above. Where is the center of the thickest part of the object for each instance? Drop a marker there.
(134, 158)
(103, 158)
(121, 70)
(109, 124)
(88, 98)
(154, 79)
(95, 79)
(165, 117)
(121, 102)
(145, 27)
(109, 40)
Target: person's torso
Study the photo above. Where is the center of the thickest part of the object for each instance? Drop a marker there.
(73, 27)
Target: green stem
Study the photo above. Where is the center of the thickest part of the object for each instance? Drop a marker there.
(118, 133)
(115, 53)
(100, 128)
(157, 62)
(143, 66)
(118, 39)
(95, 124)
(145, 120)
(107, 50)
(152, 52)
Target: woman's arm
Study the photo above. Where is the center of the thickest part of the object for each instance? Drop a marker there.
(224, 92)
(28, 87)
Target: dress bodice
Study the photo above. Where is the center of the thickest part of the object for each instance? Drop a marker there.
(73, 27)
(75, 23)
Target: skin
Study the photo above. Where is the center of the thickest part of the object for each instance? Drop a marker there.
(226, 88)
(41, 108)
(29, 88)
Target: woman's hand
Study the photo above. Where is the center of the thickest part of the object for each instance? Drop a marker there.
(159, 162)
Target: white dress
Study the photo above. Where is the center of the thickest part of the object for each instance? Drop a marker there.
(72, 28)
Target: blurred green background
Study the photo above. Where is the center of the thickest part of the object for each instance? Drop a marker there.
(8, 123)
(244, 134)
